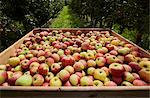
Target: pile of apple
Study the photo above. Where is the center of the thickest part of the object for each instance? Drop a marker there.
(58, 58)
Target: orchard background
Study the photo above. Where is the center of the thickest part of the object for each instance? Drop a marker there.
(130, 18)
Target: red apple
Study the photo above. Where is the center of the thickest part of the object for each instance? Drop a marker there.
(55, 67)
(67, 60)
(43, 69)
(38, 80)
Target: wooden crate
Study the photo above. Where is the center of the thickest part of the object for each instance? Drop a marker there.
(63, 92)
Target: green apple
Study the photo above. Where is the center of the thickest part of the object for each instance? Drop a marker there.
(98, 46)
(97, 83)
(90, 70)
(14, 61)
(91, 63)
(126, 83)
(86, 81)
(128, 77)
(100, 74)
(74, 79)
(55, 81)
(124, 50)
(24, 80)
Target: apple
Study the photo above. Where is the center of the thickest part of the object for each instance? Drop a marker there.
(110, 83)
(82, 54)
(85, 45)
(45, 84)
(34, 52)
(130, 58)
(70, 69)
(38, 80)
(60, 52)
(67, 60)
(117, 80)
(67, 83)
(67, 52)
(24, 80)
(106, 70)
(89, 56)
(98, 45)
(47, 54)
(21, 57)
(100, 61)
(120, 57)
(115, 42)
(126, 83)
(124, 50)
(41, 59)
(86, 81)
(110, 47)
(145, 64)
(12, 77)
(56, 57)
(135, 66)
(145, 74)
(3, 76)
(55, 81)
(128, 77)
(99, 74)
(34, 59)
(76, 56)
(80, 74)
(49, 76)
(91, 63)
(78, 66)
(14, 61)
(139, 83)
(55, 67)
(97, 83)
(111, 59)
(49, 61)
(102, 50)
(29, 56)
(40, 53)
(64, 75)
(5, 84)
(43, 69)
(74, 79)
(127, 67)
(98, 55)
(3, 67)
(136, 76)
(83, 62)
(25, 64)
(116, 69)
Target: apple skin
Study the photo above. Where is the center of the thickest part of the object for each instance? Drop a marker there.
(83, 62)
(111, 59)
(124, 50)
(74, 79)
(110, 83)
(5, 84)
(91, 63)
(106, 70)
(64, 75)
(3, 76)
(128, 77)
(130, 58)
(117, 80)
(67, 52)
(116, 69)
(145, 74)
(24, 80)
(67, 60)
(98, 45)
(126, 83)
(3, 67)
(99, 74)
(67, 83)
(43, 69)
(113, 52)
(89, 56)
(55, 68)
(45, 84)
(86, 81)
(41, 59)
(14, 61)
(38, 80)
(80, 74)
(144, 64)
(21, 57)
(34, 59)
(110, 47)
(77, 56)
(25, 64)
(78, 66)
(56, 57)
(98, 55)
(47, 54)
(49, 76)
(136, 76)
(55, 81)
(97, 83)
(49, 61)
(90, 70)
(135, 66)
(70, 69)
(40, 53)
(139, 83)
(102, 50)
(100, 61)
(127, 67)
(85, 45)
(12, 77)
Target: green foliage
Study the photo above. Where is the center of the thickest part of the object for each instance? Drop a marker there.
(66, 19)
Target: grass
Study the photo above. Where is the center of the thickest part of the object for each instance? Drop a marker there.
(66, 19)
